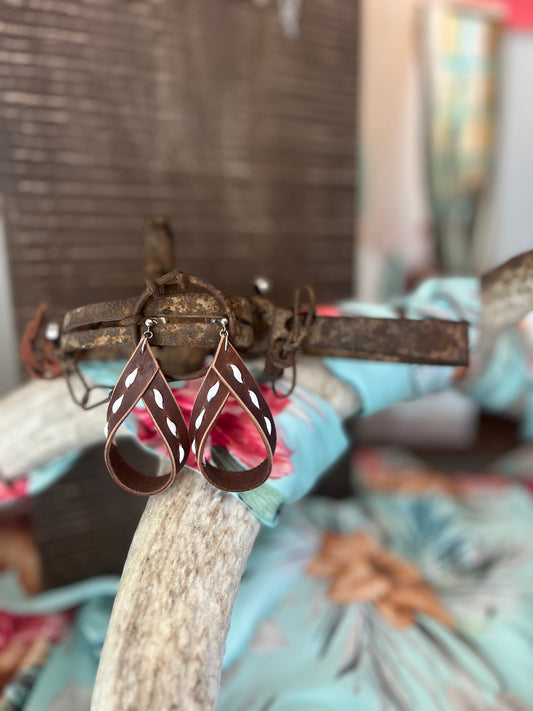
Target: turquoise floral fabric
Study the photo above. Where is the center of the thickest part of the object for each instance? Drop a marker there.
(472, 550)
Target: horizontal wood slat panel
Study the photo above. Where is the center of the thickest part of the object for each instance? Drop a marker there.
(112, 112)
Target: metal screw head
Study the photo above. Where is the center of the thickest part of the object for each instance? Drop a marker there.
(262, 285)
(52, 331)
(152, 321)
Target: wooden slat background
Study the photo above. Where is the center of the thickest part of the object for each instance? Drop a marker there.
(113, 111)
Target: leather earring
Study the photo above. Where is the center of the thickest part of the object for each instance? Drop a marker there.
(142, 379)
(227, 375)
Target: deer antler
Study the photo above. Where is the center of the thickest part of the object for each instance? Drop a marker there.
(506, 297)
(507, 293)
(166, 639)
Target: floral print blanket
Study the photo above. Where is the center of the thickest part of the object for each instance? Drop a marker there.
(416, 594)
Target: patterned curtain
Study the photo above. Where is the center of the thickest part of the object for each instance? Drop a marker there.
(460, 53)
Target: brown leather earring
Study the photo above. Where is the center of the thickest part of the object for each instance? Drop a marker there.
(142, 379)
(227, 375)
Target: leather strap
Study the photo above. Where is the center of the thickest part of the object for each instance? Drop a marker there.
(228, 375)
(142, 379)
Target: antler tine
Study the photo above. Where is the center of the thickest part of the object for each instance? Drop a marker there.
(507, 293)
(166, 639)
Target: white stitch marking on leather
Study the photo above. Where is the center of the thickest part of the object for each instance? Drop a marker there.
(117, 404)
(253, 398)
(213, 391)
(236, 373)
(131, 377)
(269, 425)
(199, 419)
(193, 446)
(171, 426)
(181, 453)
(158, 398)
(106, 430)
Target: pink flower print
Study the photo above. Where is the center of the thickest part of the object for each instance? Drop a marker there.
(18, 489)
(24, 630)
(234, 431)
(328, 310)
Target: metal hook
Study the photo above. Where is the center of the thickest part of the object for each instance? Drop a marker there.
(148, 333)
(224, 333)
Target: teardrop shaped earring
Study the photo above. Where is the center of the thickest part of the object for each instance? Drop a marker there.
(227, 375)
(142, 379)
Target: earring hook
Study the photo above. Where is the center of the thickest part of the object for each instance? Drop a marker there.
(147, 335)
(224, 333)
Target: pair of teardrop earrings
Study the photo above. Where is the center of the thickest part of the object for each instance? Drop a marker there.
(142, 379)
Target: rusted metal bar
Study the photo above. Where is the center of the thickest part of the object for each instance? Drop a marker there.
(404, 340)
(190, 323)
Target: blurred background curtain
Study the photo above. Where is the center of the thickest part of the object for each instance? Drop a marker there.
(460, 68)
